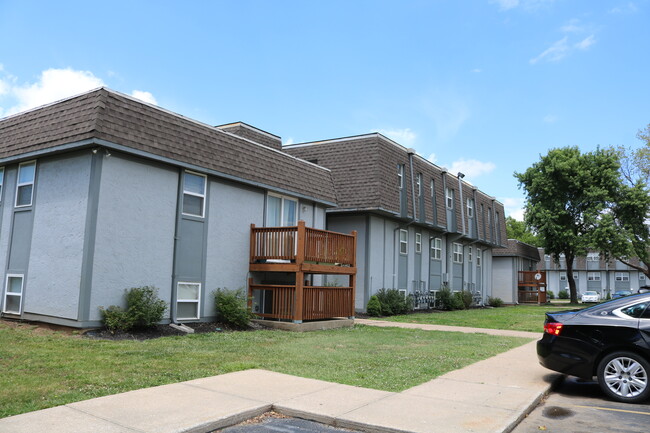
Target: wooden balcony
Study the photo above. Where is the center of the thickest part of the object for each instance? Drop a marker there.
(531, 287)
(302, 250)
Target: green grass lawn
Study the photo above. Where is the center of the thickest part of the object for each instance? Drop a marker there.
(518, 317)
(40, 369)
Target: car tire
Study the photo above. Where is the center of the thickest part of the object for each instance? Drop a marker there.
(623, 376)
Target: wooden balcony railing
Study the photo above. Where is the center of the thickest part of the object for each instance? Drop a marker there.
(318, 302)
(301, 244)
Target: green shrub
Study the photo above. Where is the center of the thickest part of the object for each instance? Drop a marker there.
(392, 302)
(495, 302)
(465, 297)
(232, 307)
(551, 295)
(115, 319)
(374, 306)
(563, 294)
(451, 300)
(143, 310)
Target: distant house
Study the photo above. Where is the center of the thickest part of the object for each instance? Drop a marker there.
(510, 265)
(102, 192)
(419, 227)
(592, 272)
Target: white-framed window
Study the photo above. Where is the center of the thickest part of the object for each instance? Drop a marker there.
(593, 276)
(188, 300)
(433, 190)
(622, 276)
(194, 185)
(547, 257)
(281, 211)
(458, 253)
(449, 198)
(479, 256)
(641, 276)
(419, 184)
(2, 180)
(470, 208)
(13, 302)
(576, 274)
(418, 242)
(436, 248)
(403, 241)
(593, 257)
(25, 186)
(400, 176)
(469, 254)
(562, 276)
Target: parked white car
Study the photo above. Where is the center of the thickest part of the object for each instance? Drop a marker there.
(590, 296)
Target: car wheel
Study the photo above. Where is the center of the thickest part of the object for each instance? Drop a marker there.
(624, 377)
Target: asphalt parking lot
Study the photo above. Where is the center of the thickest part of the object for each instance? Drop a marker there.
(579, 406)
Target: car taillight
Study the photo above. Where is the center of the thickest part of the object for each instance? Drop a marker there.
(553, 328)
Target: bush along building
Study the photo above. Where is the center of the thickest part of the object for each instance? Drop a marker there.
(419, 227)
(102, 192)
(592, 272)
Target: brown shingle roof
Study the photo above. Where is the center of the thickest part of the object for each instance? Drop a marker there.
(113, 119)
(518, 249)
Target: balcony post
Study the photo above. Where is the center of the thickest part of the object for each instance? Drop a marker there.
(252, 244)
(300, 275)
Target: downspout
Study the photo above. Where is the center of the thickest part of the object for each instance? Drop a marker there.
(411, 152)
(462, 205)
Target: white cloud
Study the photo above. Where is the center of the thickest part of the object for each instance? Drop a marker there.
(288, 142)
(550, 118)
(144, 96)
(477, 71)
(625, 9)
(433, 158)
(405, 136)
(504, 5)
(52, 85)
(572, 26)
(513, 207)
(472, 168)
(586, 42)
(554, 53)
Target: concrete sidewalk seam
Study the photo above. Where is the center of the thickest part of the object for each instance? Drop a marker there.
(69, 406)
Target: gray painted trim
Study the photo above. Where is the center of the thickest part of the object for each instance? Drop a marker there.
(90, 234)
(118, 147)
(179, 215)
(204, 265)
(366, 260)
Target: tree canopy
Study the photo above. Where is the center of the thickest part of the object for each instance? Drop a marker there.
(518, 230)
(567, 193)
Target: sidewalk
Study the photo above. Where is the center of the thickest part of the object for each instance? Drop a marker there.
(489, 396)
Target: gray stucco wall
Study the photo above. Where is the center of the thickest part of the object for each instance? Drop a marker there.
(61, 200)
(135, 230)
(346, 224)
(233, 208)
(9, 189)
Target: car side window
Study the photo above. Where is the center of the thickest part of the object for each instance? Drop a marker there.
(637, 311)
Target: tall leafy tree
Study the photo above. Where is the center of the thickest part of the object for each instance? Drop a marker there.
(567, 193)
(624, 232)
(517, 230)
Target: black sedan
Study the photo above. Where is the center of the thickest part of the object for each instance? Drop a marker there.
(609, 340)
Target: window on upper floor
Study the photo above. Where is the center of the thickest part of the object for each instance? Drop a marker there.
(593, 276)
(458, 253)
(403, 241)
(547, 257)
(449, 198)
(25, 186)
(469, 254)
(470, 208)
(194, 186)
(436, 248)
(400, 176)
(641, 276)
(418, 185)
(281, 211)
(418, 242)
(593, 257)
(562, 276)
(622, 276)
(479, 256)
(2, 180)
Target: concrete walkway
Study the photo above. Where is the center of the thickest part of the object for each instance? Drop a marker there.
(488, 396)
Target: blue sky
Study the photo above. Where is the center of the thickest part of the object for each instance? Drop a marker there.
(480, 86)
